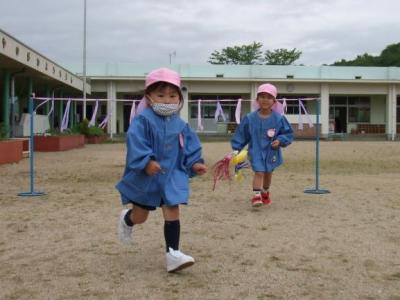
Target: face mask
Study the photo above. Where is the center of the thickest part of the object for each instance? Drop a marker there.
(164, 109)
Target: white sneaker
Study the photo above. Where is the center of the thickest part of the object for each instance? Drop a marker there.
(124, 231)
(177, 261)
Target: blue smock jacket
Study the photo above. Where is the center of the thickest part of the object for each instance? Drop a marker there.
(174, 145)
(253, 131)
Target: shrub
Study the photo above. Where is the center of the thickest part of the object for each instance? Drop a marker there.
(87, 130)
(3, 132)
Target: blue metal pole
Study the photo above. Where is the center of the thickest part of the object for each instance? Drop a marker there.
(317, 147)
(31, 156)
(31, 144)
(317, 190)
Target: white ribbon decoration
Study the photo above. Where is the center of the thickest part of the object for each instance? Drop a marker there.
(238, 111)
(199, 124)
(301, 107)
(37, 107)
(105, 121)
(93, 119)
(133, 111)
(219, 111)
(64, 123)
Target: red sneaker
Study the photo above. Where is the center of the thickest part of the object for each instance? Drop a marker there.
(266, 200)
(256, 201)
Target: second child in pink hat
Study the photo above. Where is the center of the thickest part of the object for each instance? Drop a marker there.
(265, 131)
(162, 153)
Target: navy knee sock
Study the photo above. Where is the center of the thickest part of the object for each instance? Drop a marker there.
(171, 233)
(127, 218)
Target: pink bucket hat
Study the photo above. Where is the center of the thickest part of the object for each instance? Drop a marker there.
(157, 75)
(267, 88)
(270, 89)
(163, 74)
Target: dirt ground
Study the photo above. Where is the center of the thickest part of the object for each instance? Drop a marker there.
(341, 245)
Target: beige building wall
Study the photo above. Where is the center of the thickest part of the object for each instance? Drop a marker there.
(383, 97)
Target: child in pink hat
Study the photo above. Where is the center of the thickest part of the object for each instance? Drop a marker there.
(265, 131)
(162, 153)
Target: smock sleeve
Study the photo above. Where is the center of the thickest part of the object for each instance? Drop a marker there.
(138, 142)
(285, 133)
(192, 150)
(242, 135)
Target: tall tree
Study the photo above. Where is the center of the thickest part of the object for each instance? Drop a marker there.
(238, 55)
(281, 56)
(361, 60)
(390, 56)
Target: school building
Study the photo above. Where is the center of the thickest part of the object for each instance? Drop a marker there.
(354, 101)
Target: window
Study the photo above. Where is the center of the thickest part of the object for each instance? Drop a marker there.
(359, 109)
(208, 108)
(398, 110)
(359, 114)
(208, 111)
(338, 100)
(293, 107)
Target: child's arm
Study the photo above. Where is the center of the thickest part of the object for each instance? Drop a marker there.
(285, 133)
(242, 135)
(139, 152)
(193, 160)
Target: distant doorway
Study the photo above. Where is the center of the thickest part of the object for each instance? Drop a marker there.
(340, 117)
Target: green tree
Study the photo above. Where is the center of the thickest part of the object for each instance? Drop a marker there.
(361, 60)
(389, 57)
(281, 56)
(238, 55)
(252, 55)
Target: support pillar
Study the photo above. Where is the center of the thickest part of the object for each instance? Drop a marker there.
(60, 110)
(324, 117)
(391, 113)
(6, 102)
(111, 108)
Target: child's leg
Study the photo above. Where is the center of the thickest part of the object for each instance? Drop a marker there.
(127, 219)
(175, 259)
(267, 180)
(265, 190)
(258, 180)
(137, 215)
(172, 226)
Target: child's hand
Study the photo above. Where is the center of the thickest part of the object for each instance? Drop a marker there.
(199, 169)
(152, 168)
(275, 144)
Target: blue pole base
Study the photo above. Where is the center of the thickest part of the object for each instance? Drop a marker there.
(31, 194)
(316, 191)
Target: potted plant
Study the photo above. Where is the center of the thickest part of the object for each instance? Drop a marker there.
(93, 134)
(10, 149)
(55, 140)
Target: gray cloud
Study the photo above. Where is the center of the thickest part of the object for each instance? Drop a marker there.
(149, 31)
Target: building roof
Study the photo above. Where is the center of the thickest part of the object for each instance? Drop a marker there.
(250, 72)
(20, 58)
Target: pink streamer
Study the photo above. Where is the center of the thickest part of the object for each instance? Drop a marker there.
(93, 119)
(301, 107)
(52, 108)
(64, 123)
(238, 111)
(103, 124)
(47, 100)
(199, 124)
(133, 111)
(219, 111)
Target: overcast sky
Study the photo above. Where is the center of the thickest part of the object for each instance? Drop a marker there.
(149, 31)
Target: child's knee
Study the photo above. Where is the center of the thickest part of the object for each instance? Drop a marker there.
(139, 219)
(139, 215)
